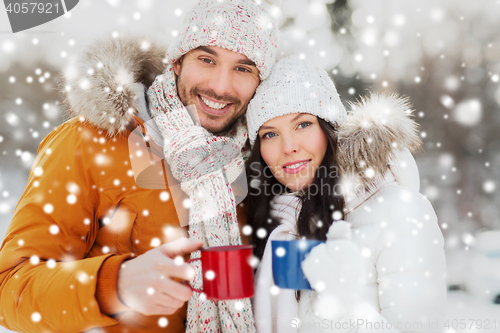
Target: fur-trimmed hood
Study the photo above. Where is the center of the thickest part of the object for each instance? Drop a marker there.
(377, 132)
(99, 83)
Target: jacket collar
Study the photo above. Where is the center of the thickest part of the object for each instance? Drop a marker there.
(354, 200)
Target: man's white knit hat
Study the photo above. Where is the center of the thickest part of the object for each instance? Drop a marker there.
(294, 86)
(242, 26)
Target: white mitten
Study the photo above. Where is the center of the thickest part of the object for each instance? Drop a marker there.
(336, 271)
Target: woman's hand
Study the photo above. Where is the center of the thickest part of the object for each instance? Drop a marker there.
(336, 271)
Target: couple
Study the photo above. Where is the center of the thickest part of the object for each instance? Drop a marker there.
(89, 248)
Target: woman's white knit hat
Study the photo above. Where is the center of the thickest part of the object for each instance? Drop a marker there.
(294, 86)
(242, 26)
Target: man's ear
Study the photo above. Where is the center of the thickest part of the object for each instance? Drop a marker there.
(177, 66)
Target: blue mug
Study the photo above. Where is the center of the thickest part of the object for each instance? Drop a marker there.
(287, 257)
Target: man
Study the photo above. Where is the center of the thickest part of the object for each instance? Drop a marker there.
(86, 208)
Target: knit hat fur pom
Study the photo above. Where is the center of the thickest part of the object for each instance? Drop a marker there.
(242, 26)
(377, 128)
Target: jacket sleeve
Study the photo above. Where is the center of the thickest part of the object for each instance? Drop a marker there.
(411, 265)
(46, 281)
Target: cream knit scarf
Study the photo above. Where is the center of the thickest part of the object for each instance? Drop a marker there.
(205, 165)
(275, 313)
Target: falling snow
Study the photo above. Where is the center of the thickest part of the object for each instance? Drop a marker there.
(247, 230)
(210, 275)
(489, 186)
(48, 208)
(34, 260)
(162, 322)
(155, 242)
(443, 55)
(51, 263)
(178, 260)
(36, 317)
(261, 233)
(468, 113)
(54, 229)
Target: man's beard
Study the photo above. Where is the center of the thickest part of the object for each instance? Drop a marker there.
(190, 99)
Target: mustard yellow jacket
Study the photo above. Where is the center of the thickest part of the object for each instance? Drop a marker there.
(86, 208)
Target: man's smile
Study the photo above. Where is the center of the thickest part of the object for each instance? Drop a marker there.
(213, 107)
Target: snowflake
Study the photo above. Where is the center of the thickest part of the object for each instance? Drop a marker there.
(163, 322)
(34, 260)
(54, 229)
(83, 277)
(36, 317)
(71, 199)
(489, 186)
(48, 208)
(210, 275)
(155, 242)
(261, 233)
(178, 260)
(274, 290)
(469, 112)
(51, 263)
(280, 252)
(254, 261)
(247, 230)
(238, 306)
(320, 286)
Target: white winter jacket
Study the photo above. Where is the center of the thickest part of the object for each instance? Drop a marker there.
(396, 231)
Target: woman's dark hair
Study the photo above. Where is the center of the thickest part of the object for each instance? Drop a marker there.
(319, 201)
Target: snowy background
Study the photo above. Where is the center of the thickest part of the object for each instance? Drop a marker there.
(443, 54)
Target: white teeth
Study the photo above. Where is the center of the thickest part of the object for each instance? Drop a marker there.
(296, 165)
(213, 105)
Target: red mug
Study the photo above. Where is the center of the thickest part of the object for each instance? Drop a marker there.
(227, 272)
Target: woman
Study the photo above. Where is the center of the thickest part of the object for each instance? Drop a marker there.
(386, 263)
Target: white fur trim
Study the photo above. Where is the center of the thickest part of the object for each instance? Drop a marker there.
(99, 84)
(376, 130)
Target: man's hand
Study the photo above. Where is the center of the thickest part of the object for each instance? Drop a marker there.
(146, 285)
